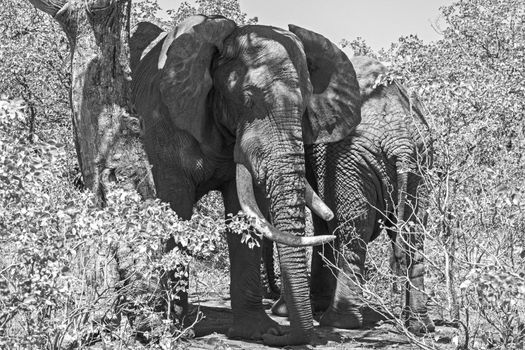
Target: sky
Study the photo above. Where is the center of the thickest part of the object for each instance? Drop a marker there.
(379, 22)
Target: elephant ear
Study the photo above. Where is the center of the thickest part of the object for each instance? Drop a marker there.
(334, 109)
(185, 79)
(143, 37)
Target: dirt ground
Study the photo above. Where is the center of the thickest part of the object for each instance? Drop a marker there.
(209, 294)
(377, 333)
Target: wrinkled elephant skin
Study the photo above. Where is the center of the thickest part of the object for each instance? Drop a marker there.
(214, 97)
(371, 178)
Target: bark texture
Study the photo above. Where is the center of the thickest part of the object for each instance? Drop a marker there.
(106, 134)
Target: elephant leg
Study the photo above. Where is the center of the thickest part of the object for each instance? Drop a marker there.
(412, 265)
(415, 311)
(250, 321)
(176, 282)
(345, 307)
(322, 282)
(269, 279)
(397, 254)
(174, 188)
(323, 275)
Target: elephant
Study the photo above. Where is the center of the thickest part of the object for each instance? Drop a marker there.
(370, 179)
(230, 108)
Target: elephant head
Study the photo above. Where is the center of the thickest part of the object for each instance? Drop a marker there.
(213, 95)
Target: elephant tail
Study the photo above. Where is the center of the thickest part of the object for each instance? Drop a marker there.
(399, 246)
(402, 180)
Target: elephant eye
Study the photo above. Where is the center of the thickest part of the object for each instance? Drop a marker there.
(256, 101)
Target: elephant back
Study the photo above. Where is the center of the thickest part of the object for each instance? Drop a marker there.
(388, 106)
(410, 109)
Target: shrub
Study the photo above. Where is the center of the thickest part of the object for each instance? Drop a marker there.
(69, 270)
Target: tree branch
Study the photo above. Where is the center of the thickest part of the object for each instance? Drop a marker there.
(50, 7)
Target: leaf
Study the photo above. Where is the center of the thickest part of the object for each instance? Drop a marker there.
(515, 198)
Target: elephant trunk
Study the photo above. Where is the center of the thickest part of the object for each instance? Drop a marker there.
(286, 190)
(249, 206)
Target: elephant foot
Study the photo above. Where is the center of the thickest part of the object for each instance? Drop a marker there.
(318, 305)
(418, 323)
(347, 320)
(254, 326)
(279, 308)
(290, 338)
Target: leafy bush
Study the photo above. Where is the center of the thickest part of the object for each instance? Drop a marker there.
(69, 269)
(494, 296)
(472, 83)
(35, 62)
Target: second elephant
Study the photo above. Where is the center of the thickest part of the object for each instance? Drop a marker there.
(371, 179)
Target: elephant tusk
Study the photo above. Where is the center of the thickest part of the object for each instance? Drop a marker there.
(317, 205)
(251, 209)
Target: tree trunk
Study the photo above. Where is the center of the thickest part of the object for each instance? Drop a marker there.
(104, 130)
(106, 135)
